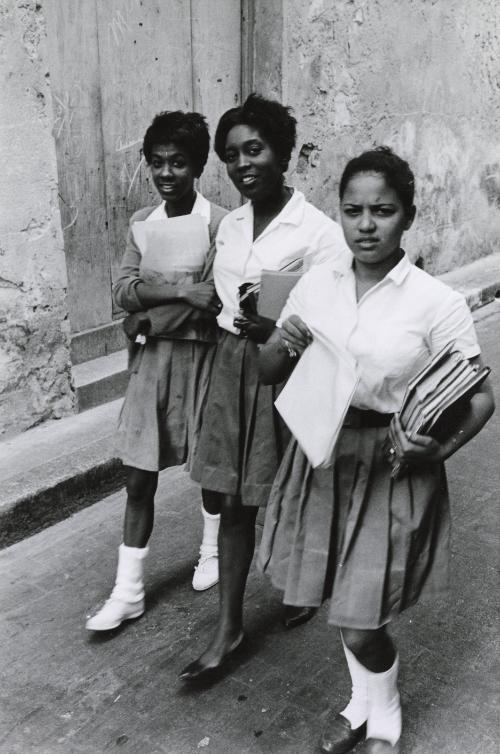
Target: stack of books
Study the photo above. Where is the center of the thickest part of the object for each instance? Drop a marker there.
(269, 295)
(437, 397)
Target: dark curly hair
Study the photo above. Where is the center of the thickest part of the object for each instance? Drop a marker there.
(395, 170)
(273, 121)
(187, 130)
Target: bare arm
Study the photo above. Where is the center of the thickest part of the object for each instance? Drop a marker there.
(275, 362)
(278, 357)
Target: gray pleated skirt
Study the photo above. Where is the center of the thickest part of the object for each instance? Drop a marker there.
(350, 533)
(161, 417)
(243, 438)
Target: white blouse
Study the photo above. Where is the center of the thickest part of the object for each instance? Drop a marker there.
(201, 207)
(390, 332)
(299, 231)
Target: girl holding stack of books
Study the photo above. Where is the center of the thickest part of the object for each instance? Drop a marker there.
(172, 307)
(242, 439)
(349, 531)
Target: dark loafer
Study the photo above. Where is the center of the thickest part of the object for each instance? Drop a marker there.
(295, 616)
(338, 736)
(378, 746)
(195, 671)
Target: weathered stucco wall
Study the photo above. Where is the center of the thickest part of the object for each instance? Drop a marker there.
(34, 353)
(419, 75)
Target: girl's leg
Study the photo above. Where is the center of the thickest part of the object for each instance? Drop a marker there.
(373, 708)
(139, 512)
(373, 648)
(374, 651)
(236, 548)
(127, 598)
(211, 501)
(206, 573)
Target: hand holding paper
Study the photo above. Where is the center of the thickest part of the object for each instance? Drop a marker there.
(295, 335)
(318, 393)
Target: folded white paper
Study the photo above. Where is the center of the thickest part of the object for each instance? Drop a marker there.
(176, 244)
(314, 401)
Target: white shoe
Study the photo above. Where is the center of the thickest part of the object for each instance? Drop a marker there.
(127, 598)
(113, 613)
(206, 573)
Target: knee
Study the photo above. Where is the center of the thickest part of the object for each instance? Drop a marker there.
(361, 643)
(141, 487)
(234, 514)
(211, 501)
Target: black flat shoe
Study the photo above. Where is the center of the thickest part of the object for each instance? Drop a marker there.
(338, 736)
(295, 616)
(196, 671)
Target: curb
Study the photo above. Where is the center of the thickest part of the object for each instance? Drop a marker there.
(46, 506)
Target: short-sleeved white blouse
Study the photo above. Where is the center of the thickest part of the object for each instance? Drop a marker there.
(391, 331)
(299, 231)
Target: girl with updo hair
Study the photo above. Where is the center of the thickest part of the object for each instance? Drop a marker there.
(350, 532)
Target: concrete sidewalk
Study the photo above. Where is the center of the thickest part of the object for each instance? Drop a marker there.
(51, 471)
(66, 692)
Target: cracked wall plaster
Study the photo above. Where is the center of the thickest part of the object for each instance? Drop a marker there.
(422, 77)
(35, 377)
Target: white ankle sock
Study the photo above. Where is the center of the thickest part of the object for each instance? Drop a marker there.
(357, 709)
(210, 532)
(129, 585)
(384, 708)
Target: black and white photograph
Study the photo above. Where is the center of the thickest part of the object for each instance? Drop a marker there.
(249, 362)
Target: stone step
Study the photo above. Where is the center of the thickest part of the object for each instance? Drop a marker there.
(100, 380)
(99, 341)
(55, 469)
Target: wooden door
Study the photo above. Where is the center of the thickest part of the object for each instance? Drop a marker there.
(114, 64)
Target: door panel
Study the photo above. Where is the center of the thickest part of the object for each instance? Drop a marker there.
(216, 81)
(146, 65)
(114, 65)
(75, 77)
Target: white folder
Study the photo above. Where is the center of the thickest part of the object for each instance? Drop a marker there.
(172, 245)
(314, 401)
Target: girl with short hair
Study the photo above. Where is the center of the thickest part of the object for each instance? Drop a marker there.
(160, 421)
(242, 439)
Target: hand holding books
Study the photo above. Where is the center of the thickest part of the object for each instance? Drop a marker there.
(435, 402)
(250, 323)
(261, 303)
(403, 449)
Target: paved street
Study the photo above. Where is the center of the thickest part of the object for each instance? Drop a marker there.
(65, 691)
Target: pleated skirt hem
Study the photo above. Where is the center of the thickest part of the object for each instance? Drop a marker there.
(162, 413)
(242, 439)
(372, 545)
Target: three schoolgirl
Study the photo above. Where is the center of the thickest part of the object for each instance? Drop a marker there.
(349, 532)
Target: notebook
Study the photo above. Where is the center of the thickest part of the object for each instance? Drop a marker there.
(437, 397)
(249, 293)
(275, 287)
(173, 245)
